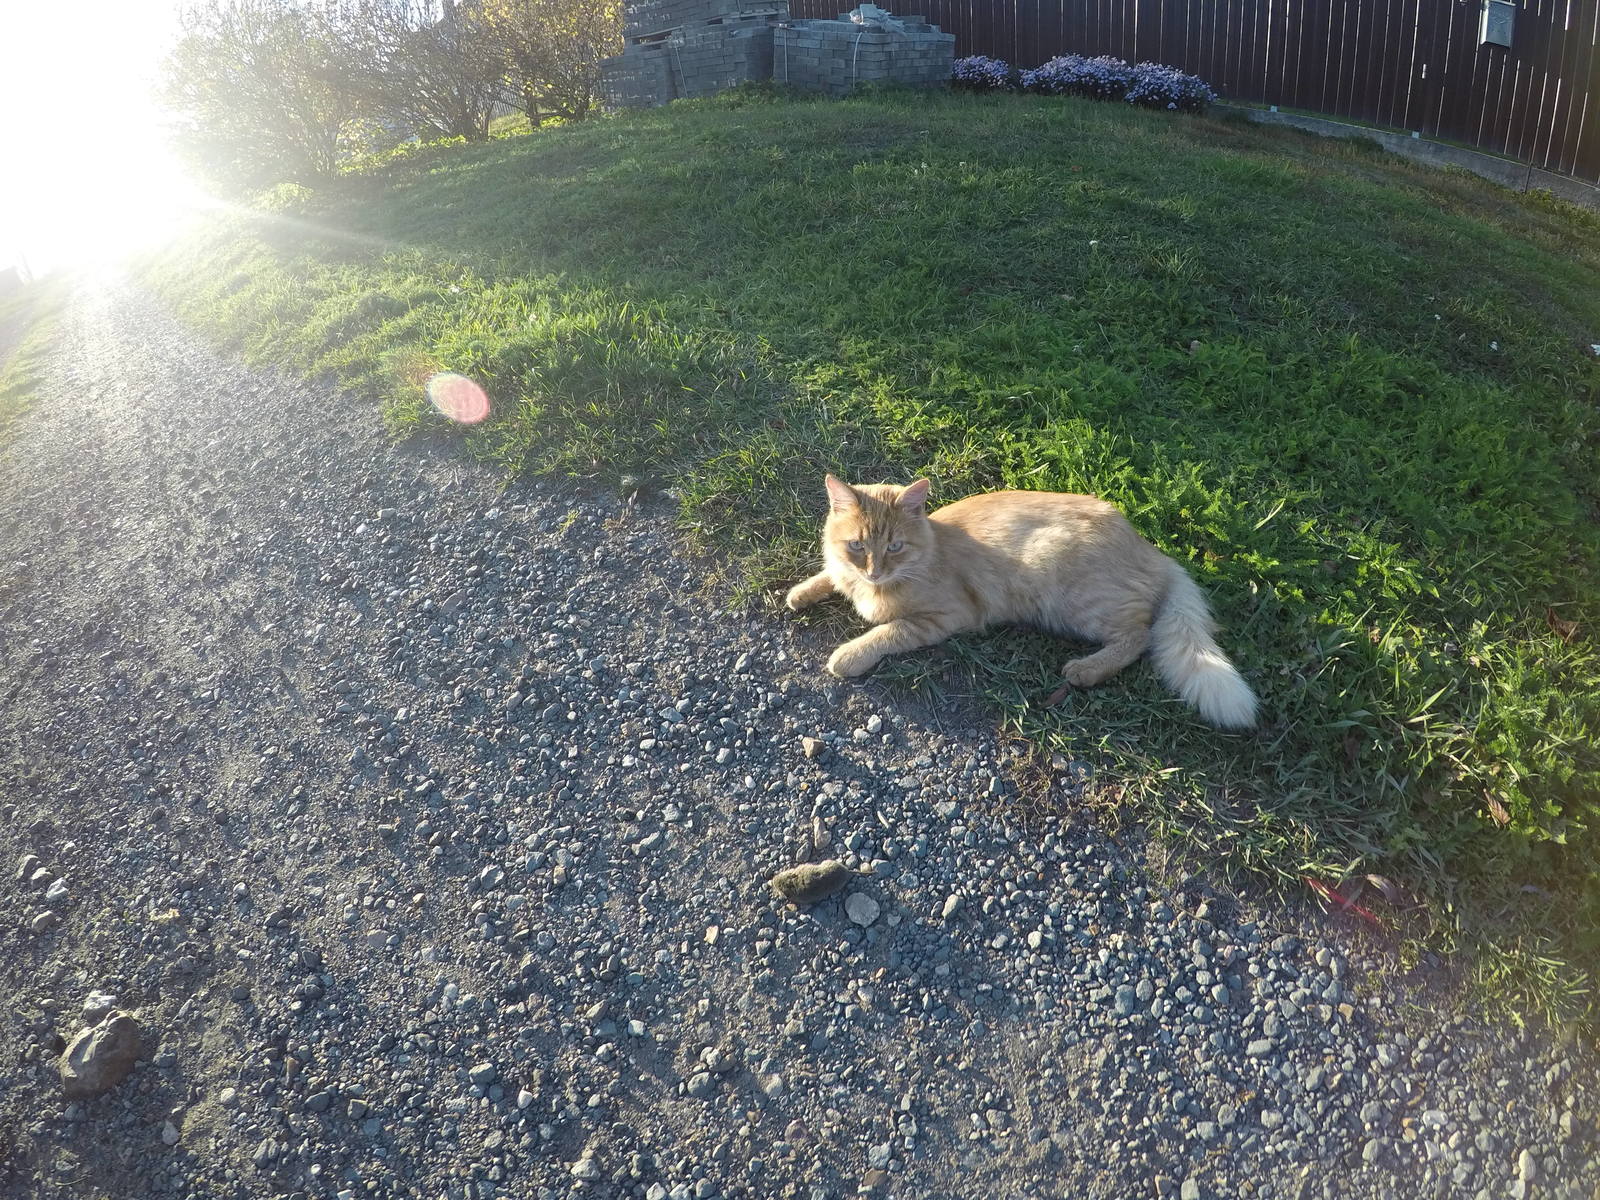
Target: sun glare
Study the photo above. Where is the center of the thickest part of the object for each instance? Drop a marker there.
(89, 176)
(458, 398)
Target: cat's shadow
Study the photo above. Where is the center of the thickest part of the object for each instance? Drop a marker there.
(1009, 664)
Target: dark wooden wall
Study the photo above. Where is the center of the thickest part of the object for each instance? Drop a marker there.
(1407, 64)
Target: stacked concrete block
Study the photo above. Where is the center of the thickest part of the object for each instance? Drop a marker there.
(641, 18)
(835, 57)
(676, 49)
(638, 78)
(712, 58)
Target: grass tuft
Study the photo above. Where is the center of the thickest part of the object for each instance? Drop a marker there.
(27, 324)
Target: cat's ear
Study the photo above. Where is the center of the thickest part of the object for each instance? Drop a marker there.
(841, 497)
(913, 497)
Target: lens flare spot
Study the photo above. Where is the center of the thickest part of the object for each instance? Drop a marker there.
(458, 398)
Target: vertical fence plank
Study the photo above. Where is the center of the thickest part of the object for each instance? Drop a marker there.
(1383, 40)
(1277, 57)
(1559, 153)
(1527, 51)
(1229, 21)
(1169, 37)
(1558, 150)
(1251, 50)
(1422, 101)
(1543, 146)
(1242, 48)
(1504, 75)
(1312, 71)
(1552, 89)
(1544, 89)
(1147, 29)
(1402, 64)
(1544, 95)
(1193, 10)
(1340, 24)
(1348, 37)
(1321, 53)
(1368, 58)
(1407, 83)
(1222, 18)
(1451, 74)
(1294, 36)
(1209, 21)
(1583, 147)
(1312, 84)
(1294, 48)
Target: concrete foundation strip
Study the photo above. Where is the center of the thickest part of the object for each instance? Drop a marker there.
(1519, 177)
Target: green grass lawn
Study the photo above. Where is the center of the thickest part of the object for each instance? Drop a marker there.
(1351, 394)
(27, 320)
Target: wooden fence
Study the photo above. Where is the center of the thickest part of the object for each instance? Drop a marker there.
(1407, 64)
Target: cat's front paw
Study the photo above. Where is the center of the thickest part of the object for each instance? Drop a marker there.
(850, 660)
(800, 596)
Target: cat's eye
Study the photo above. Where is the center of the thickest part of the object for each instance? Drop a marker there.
(896, 547)
(855, 547)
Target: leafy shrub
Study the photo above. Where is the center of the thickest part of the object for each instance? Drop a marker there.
(1149, 85)
(980, 73)
(413, 151)
(1102, 78)
(1157, 86)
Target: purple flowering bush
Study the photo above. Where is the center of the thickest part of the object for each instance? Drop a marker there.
(980, 73)
(1102, 78)
(1147, 84)
(1156, 86)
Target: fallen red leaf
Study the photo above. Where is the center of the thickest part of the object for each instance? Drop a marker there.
(1339, 901)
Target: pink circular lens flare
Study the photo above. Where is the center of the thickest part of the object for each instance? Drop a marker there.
(458, 398)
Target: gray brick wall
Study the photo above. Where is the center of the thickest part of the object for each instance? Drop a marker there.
(644, 17)
(834, 57)
(677, 49)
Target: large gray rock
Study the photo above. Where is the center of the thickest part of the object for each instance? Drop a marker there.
(100, 1057)
(861, 908)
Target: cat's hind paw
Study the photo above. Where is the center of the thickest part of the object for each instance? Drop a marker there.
(1080, 672)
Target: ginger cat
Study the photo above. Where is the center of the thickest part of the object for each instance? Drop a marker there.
(1068, 564)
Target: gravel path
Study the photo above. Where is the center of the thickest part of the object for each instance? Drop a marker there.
(425, 829)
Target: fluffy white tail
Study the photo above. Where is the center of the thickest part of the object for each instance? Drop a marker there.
(1188, 660)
